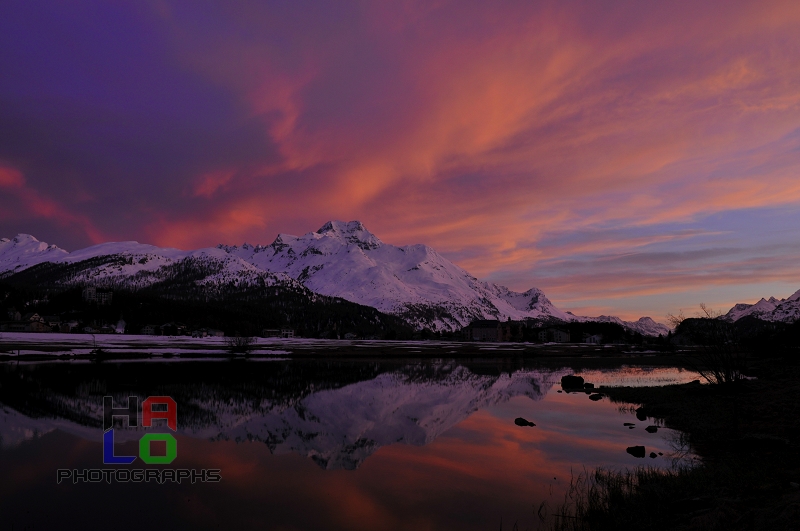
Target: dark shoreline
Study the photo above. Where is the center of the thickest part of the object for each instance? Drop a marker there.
(747, 436)
(40, 348)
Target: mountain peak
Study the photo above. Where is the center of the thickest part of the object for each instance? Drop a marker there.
(351, 232)
(30, 243)
(23, 251)
(24, 238)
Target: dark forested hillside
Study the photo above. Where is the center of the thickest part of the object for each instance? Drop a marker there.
(178, 293)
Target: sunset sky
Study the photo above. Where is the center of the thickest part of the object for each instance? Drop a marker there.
(631, 158)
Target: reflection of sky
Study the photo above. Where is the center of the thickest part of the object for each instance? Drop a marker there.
(565, 144)
(484, 469)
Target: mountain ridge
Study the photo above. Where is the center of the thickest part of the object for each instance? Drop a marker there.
(341, 259)
(783, 310)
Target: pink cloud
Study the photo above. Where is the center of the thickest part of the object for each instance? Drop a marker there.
(208, 183)
(30, 203)
(481, 129)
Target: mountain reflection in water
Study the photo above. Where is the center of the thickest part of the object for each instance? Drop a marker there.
(460, 462)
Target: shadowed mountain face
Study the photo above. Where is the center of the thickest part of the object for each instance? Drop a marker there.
(337, 413)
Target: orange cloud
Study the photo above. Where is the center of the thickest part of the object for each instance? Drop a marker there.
(483, 130)
(208, 183)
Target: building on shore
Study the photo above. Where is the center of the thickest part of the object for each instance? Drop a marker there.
(101, 298)
(553, 335)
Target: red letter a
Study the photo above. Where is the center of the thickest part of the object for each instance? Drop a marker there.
(171, 414)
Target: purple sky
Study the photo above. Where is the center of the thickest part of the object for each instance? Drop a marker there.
(631, 158)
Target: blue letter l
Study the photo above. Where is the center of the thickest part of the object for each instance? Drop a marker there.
(108, 451)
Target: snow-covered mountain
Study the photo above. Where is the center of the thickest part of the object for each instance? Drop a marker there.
(784, 310)
(24, 251)
(346, 260)
(341, 259)
(131, 264)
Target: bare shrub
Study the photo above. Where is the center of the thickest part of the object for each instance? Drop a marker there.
(676, 320)
(240, 344)
(721, 358)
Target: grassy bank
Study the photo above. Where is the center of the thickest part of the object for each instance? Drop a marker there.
(747, 436)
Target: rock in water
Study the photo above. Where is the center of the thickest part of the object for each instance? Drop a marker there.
(653, 455)
(637, 451)
(572, 382)
(519, 421)
(595, 397)
(640, 414)
(651, 429)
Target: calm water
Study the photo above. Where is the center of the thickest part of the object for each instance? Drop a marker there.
(316, 445)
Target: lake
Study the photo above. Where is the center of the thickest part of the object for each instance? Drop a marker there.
(305, 444)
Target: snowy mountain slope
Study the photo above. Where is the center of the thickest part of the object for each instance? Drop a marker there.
(346, 260)
(339, 428)
(341, 259)
(24, 251)
(645, 325)
(133, 265)
(784, 310)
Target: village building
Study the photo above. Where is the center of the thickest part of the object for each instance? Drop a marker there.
(101, 298)
(483, 330)
(493, 330)
(15, 326)
(150, 330)
(285, 333)
(53, 321)
(32, 317)
(553, 335)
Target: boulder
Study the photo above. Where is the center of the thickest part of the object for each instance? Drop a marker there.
(640, 414)
(519, 421)
(596, 397)
(637, 451)
(628, 424)
(572, 382)
(651, 429)
(653, 455)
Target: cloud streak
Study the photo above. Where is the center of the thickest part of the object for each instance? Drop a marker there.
(520, 139)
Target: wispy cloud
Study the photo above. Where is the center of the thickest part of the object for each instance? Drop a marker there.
(583, 145)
